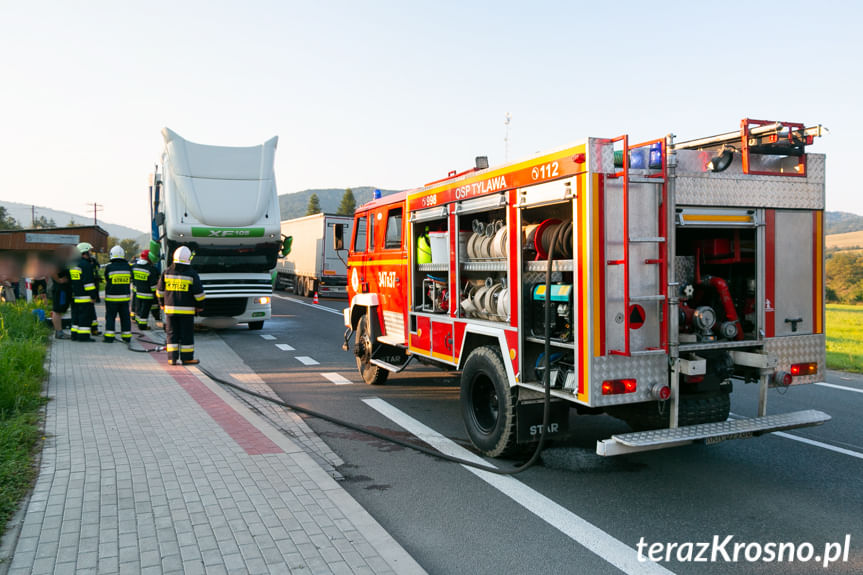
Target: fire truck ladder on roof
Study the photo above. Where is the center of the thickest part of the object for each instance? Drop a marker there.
(661, 181)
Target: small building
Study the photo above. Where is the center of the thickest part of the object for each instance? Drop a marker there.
(33, 253)
(46, 240)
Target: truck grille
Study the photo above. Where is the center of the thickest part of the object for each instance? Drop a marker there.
(244, 286)
(225, 306)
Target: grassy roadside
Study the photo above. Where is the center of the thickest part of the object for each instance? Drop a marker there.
(845, 337)
(23, 345)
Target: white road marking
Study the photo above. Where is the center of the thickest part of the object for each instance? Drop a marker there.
(337, 379)
(267, 336)
(284, 347)
(808, 441)
(842, 387)
(593, 538)
(306, 360)
(313, 305)
(827, 446)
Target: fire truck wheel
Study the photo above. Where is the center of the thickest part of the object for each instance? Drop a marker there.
(256, 325)
(372, 374)
(488, 403)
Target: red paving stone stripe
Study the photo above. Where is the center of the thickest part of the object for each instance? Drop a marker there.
(244, 433)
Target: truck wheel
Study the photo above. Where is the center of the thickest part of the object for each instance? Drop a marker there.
(306, 289)
(296, 282)
(488, 403)
(256, 325)
(372, 374)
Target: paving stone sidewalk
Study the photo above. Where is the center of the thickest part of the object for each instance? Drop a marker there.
(149, 468)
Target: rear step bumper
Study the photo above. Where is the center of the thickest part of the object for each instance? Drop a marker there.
(708, 432)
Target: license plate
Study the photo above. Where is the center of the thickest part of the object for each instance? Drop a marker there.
(721, 438)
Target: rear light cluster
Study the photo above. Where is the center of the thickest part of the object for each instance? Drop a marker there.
(618, 386)
(810, 368)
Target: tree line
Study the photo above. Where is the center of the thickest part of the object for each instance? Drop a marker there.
(346, 207)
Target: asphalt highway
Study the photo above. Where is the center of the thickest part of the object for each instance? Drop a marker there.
(800, 491)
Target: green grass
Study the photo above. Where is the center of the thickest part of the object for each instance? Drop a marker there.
(23, 344)
(845, 337)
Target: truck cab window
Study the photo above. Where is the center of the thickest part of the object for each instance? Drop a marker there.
(360, 236)
(372, 232)
(394, 229)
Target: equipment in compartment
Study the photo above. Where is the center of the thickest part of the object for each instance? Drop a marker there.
(435, 295)
(486, 300)
(560, 297)
(718, 279)
(561, 370)
(537, 238)
(487, 240)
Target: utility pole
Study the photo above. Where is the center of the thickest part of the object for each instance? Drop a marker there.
(32, 216)
(506, 121)
(96, 208)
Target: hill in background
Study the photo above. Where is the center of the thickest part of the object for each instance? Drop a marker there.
(294, 205)
(23, 213)
(842, 222)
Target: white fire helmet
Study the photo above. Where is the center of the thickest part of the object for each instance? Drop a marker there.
(117, 253)
(183, 255)
(84, 247)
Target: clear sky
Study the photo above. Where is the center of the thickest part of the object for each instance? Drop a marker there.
(397, 93)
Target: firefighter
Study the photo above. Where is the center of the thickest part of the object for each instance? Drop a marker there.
(180, 295)
(118, 279)
(144, 277)
(83, 291)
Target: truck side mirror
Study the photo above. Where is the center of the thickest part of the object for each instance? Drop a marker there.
(339, 236)
(286, 245)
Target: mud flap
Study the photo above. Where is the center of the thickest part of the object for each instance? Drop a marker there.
(529, 420)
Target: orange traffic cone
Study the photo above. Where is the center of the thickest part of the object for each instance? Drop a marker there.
(316, 298)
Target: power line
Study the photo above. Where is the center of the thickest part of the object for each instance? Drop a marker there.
(96, 209)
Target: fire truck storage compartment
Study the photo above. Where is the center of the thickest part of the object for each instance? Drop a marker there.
(539, 225)
(431, 278)
(716, 267)
(483, 247)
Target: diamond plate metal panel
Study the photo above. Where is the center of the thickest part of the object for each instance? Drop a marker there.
(647, 370)
(684, 269)
(696, 186)
(601, 156)
(729, 429)
(798, 349)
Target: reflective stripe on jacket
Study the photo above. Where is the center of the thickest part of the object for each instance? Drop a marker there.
(180, 290)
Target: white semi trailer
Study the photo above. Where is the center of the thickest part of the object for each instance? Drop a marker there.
(222, 203)
(313, 265)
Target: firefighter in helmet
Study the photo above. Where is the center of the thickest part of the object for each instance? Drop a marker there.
(180, 294)
(118, 278)
(83, 293)
(144, 277)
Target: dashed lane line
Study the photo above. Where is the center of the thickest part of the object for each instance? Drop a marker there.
(285, 347)
(306, 360)
(812, 442)
(337, 378)
(842, 387)
(580, 530)
(267, 336)
(311, 305)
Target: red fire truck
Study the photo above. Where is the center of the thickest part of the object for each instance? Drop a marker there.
(639, 280)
